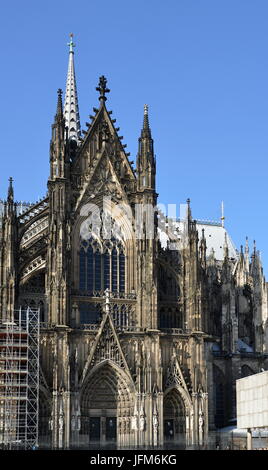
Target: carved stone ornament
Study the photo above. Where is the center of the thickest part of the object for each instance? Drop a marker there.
(104, 182)
(107, 347)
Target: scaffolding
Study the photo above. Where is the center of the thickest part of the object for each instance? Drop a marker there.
(19, 380)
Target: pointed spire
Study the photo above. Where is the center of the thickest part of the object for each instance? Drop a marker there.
(203, 249)
(57, 143)
(254, 253)
(189, 212)
(146, 131)
(225, 246)
(71, 109)
(247, 255)
(241, 253)
(246, 247)
(59, 114)
(10, 194)
(146, 165)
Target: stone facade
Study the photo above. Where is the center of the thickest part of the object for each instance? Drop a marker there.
(141, 342)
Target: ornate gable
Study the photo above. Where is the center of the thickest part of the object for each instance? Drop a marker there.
(175, 376)
(106, 347)
(102, 157)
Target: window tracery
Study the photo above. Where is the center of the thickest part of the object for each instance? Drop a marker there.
(102, 265)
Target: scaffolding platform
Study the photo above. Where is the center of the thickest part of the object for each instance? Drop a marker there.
(19, 380)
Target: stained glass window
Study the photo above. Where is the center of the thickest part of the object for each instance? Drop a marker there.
(82, 283)
(98, 273)
(122, 272)
(101, 267)
(90, 269)
(114, 270)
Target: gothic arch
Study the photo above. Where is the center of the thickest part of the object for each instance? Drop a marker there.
(124, 376)
(107, 395)
(124, 236)
(183, 393)
(164, 266)
(176, 413)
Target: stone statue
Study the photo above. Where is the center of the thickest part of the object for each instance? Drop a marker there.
(73, 423)
(142, 422)
(61, 422)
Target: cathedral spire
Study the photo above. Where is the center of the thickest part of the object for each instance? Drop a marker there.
(247, 255)
(71, 109)
(59, 114)
(146, 128)
(57, 143)
(146, 159)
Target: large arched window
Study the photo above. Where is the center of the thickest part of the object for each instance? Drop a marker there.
(102, 266)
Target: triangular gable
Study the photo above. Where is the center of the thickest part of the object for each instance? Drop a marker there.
(175, 376)
(102, 180)
(106, 347)
(103, 126)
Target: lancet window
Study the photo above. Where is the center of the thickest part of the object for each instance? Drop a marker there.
(102, 265)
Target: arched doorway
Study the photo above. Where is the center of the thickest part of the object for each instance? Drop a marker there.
(106, 408)
(174, 420)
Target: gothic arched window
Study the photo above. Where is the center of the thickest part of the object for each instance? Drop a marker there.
(114, 269)
(82, 278)
(102, 266)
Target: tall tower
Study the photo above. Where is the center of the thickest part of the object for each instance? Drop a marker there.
(8, 256)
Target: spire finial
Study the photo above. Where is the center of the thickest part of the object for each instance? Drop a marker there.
(247, 254)
(225, 246)
(102, 88)
(188, 211)
(59, 103)
(10, 194)
(71, 44)
(146, 118)
(222, 214)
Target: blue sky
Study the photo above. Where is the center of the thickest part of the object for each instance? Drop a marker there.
(201, 65)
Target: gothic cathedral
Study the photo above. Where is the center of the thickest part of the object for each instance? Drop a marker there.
(145, 322)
